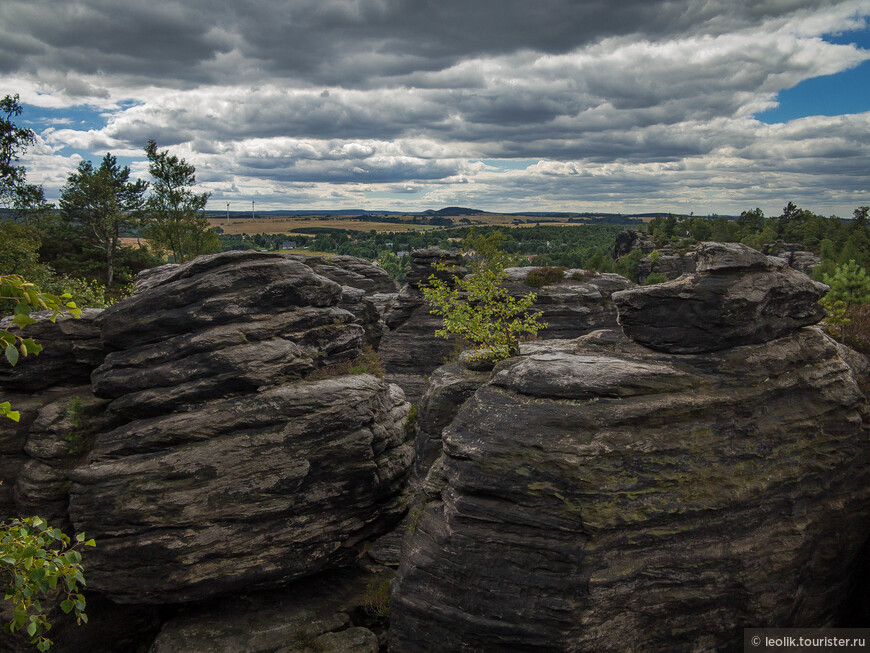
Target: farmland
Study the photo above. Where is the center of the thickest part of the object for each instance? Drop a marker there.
(293, 224)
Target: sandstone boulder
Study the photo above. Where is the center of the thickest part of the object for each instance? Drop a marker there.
(737, 296)
(596, 495)
(228, 467)
(320, 614)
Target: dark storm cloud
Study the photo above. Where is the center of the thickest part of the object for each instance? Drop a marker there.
(344, 42)
(617, 101)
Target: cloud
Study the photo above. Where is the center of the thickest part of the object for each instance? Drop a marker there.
(339, 100)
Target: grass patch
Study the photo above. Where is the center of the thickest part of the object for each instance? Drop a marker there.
(546, 276)
(368, 362)
(377, 598)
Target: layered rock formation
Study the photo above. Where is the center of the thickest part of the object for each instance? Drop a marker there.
(36, 452)
(795, 255)
(231, 469)
(738, 296)
(668, 262)
(599, 495)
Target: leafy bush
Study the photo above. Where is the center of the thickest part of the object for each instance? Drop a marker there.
(478, 307)
(655, 277)
(546, 276)
(37, 561)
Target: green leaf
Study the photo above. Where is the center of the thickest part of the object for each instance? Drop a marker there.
(31, 628)
(23, 320)
(11, 354)
(67, 606)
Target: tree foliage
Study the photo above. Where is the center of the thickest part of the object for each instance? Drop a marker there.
(28, 200)
(175, 220)
(38, 561)
(850, 287)
(478, 307)
(103, 201)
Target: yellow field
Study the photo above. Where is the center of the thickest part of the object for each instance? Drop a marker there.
(288, 224)
(133, 242)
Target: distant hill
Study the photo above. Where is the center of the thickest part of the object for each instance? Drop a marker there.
(451, 211)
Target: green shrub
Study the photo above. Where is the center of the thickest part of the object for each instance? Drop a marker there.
(478, 307)
(368, 362)
(377, 598)
(655, 277)
(654, 256)
(546, 276)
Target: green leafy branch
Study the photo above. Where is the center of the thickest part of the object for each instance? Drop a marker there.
(27, 298)
(478, 307)
(37, 560)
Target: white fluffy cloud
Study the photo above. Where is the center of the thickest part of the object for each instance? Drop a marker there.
(637, 106)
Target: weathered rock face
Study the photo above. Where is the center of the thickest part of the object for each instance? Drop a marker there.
(575, 305)
(75, 351)
(668, 262)
(795, 255)
(598, 495)
(229, 469)
(36, 452)
(365, 288)
(738, 296)
(320, 614)
(629, 239)
(447, 389)
(609, 498)
(578, 304)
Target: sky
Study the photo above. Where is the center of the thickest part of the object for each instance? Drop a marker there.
(696, 106)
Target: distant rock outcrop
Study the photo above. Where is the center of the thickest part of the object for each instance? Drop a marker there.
(738, 296)
(795, 255)
(598, 495)
(630, 239)
(667, 261)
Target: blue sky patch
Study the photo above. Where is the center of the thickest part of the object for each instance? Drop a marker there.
(830, 95)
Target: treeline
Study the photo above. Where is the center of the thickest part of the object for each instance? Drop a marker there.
(835, 240)
(585, 246)
(76, 247)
